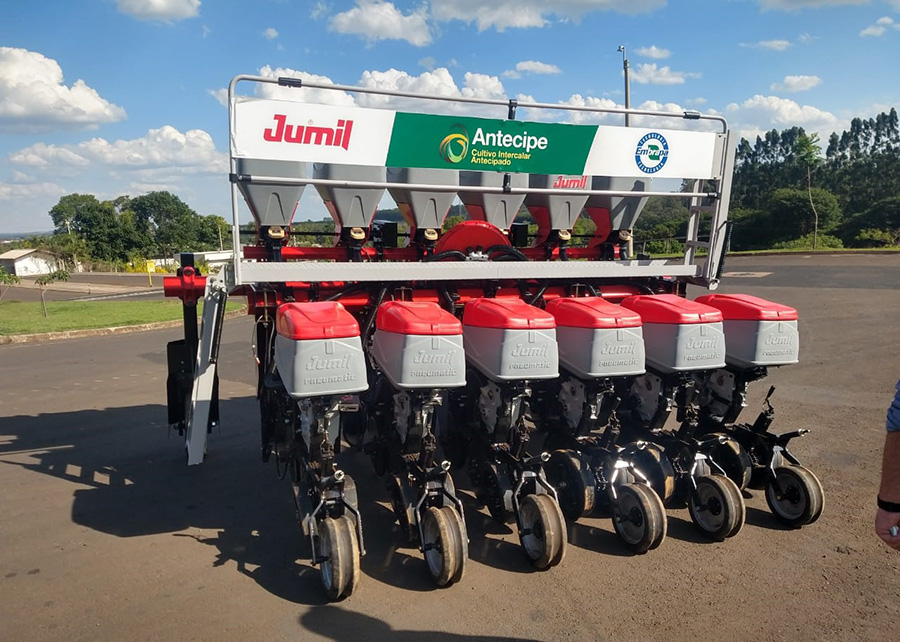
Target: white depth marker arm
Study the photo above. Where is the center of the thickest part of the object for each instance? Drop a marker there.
(197, 420)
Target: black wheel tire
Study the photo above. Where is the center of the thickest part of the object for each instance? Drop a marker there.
(495, 486)
(663, 519)
(741, 515)
(801, 499)
(440, 545)
(339, 555)
(733, 460)
(460, 542)
(543, 536)
(651, 461)
(712, 507)
(570, 474)
(638, 519)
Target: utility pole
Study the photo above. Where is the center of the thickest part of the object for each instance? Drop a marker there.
(627, 235)
(627, 84)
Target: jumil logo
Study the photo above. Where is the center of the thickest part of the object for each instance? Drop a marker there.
(652, 153)
(455, 146)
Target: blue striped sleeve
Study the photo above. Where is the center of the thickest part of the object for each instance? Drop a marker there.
(893, 415)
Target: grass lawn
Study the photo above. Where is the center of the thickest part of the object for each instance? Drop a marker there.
(17, 317)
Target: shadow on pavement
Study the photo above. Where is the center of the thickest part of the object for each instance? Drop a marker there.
(336, 623)
(133, 481)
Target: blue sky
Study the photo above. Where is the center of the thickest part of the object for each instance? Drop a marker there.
(115, 97)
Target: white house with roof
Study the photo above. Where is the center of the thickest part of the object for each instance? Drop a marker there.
(29, 262)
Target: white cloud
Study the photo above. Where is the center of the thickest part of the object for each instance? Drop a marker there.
(378, 20)
(881, 26)
(535, 67)
(433, 83)
(650, 74)
(873, 30)
(309, 94)
(270, 34)
(653, 52)
(319, 10)
(696, 102)
(428, 62)
(166, 147)
(206, 31)
(531, 67)
(34, 98)
(221, 95)
(762, 113)
(774, 45)
(165, 10)
(10, 191)
(505, 14)
(797, 83)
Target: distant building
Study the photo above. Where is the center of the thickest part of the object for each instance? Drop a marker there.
(29, 262)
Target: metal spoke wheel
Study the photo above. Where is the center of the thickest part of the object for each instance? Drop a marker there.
(444, 545)
(338, 556)
(639, 518)
(543, 535)
(712, 506)
(570, 474)
(652, 462)
(795, 496)
(733, 459)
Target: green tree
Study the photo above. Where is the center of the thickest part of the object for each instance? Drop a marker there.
(806, 151)
(169, 221)
(44, 282)
(877, 226)
(792, 212)
(8, 280)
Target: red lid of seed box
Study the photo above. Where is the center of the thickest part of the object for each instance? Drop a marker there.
(743, 307)
(315, 320)
(591, 312)
(512, 314)
(670, 308)
(409, 317)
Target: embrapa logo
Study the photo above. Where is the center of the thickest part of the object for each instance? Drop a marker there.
(652, 153)
(455, 146)
(308, 134)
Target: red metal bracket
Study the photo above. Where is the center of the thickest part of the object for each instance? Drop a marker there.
(188, 286)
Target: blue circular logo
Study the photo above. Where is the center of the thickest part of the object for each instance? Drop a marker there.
(652, 153)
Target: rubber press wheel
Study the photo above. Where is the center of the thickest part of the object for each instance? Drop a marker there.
(733, 459)
(797, 499)
(543, 535)
(712, 506)
(443, 544)
(339, 556)
(651, 461)
(639, 519)
(574, 482)
(741, 514)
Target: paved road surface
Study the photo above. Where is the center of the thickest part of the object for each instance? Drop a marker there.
(107, 535)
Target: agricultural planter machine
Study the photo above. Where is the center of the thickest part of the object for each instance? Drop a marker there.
(541, 371)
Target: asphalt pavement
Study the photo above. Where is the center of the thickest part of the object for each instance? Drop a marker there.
(107, 534)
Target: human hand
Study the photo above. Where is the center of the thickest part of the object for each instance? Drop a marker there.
(887, 527)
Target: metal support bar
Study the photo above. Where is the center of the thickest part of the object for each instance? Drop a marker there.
(197, 421)
(329, 182)
(691, 115)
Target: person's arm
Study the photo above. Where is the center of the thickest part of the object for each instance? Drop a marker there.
(888, 515)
